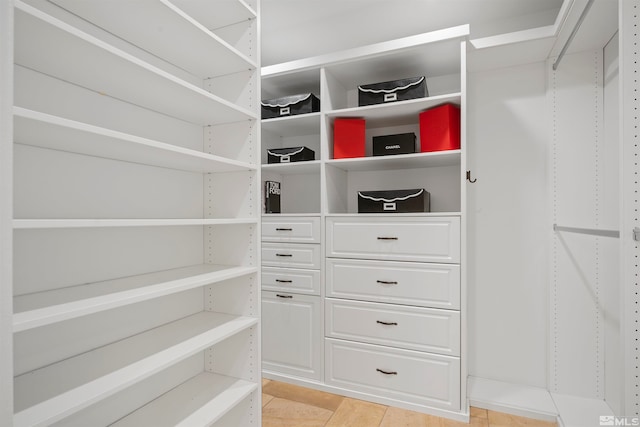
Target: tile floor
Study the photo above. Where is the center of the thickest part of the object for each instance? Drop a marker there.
(287, 405)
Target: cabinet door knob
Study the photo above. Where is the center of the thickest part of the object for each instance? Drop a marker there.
(386, 282)
(387, 323)
(387, 372)
(284, 296)
(284, 229)
(285, 255)
(284, 281)
(387, 238)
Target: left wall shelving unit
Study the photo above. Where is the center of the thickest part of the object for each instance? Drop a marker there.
(135, 213)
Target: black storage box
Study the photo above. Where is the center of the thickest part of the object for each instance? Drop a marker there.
(402, 143)
(394, 201)
(290, 106)
(395, 90)
(290, 154)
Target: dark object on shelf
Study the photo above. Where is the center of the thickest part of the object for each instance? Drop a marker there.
(290, 155)
(402, 143)
(394, 201)
(348, 138)
(290, 106)
(271, 197)
(440, 128)
(395, 90)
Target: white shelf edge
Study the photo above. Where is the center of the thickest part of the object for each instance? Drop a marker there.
(290, 214)
(23, 224)
(394, 215)
(312, 166)
(364, 52)
(211, 412)
(30, 319)
(293, 118)
(178, 11)
(124, 56)
(76, 399)
(399, 161)
(382, 108)
(514, 37)
(217, 394)
(105, 149)
(249, 8)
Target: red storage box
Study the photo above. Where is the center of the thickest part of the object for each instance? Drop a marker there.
(440, 128)
(348, 138)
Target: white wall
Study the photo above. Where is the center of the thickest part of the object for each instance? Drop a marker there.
(508, 235)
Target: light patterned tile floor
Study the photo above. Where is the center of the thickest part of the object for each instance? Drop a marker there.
(287, 405)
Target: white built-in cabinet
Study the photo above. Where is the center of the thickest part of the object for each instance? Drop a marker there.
(136, 213)
(389, 308)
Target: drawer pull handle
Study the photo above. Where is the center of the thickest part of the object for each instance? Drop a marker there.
(284, 281)
(284, 229)
(387, 372)
(387, 238)
(387, 323)
(386, 282)
(284, 296)
(285, 255)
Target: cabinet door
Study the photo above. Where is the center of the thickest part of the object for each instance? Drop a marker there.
(424, 239)
(291, 335)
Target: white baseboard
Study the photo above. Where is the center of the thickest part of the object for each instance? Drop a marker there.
(520, 400)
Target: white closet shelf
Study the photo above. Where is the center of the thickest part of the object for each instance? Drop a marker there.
(48, 131)
(233, 11)
(93, 376)
(162, 28)
(91, 63)
(398, 162)
(45, 308)
(295, 168)
(395, 215)
(298, 125)
(395, 113)
(199, 402)
(19, 224)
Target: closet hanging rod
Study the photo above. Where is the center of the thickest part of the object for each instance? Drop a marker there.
(604, 233)
(573, 34)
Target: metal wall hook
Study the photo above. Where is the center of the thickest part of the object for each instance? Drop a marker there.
(469, 177)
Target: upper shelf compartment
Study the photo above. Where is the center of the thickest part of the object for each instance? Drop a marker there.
(176, 31)
(91, 63)
(437, 55)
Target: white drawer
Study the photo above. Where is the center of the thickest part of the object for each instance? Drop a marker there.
(416, 328)
(293, 255)
(426, 239)
(288, 229)
(291, 280)
(427, 285)
(405, 375)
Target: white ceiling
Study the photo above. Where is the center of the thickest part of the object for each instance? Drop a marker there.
(295, 29)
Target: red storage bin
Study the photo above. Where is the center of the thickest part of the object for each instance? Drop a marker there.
(440, 128)
(348, 138)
